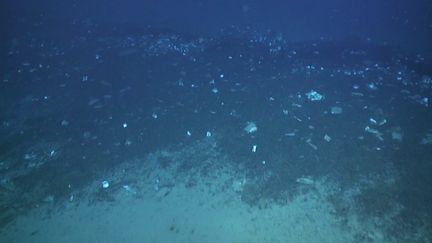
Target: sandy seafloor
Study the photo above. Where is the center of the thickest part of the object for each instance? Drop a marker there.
(163, 207)
(165, 118)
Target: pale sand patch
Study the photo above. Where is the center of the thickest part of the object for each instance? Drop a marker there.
(207, 212)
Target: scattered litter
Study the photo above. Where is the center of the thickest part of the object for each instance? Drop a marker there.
(238, 185)
(336, 110)
(375, 122)
(307, 180)
(308, 141)
(290, 134)
(129, 189)
(215, 90)
(327, 138)
(64, 123)
(298, 119)
(427, 139)
(377, 134)
(105, 184)
(357, 94)
(254, 148)
(424, 101)
(372, 86)
(251, 127)
(397, 134)
(314, 96)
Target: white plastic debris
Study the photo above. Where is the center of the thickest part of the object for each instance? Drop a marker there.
(188, 133)
(327, 138)
(377, 133)
(125, 125)
(375, 122)
(105, 184)
(215, 90)
(254, 148)
(424, 101)
(129, 189)
(372, 86)
(208, 134)
(64, 123)
(397, 134)
(155, 116)
(336, 110)
(309, 142)
(251, 127)
(314, 96)
(306, 180)
(427, 139)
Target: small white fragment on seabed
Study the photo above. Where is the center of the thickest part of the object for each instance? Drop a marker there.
(314, 96)
(105, 184)
(254, 148)
(250, 127)
(307, 180)
(336, 110)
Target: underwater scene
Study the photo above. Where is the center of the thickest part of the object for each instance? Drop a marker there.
(213, 130)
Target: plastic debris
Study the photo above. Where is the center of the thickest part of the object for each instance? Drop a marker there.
(336, 110)
(314, 96)
(251, 127)
(377, 134)
(208, 134)
(397, 134)
(254, 148)
(290, 134)
(105, 184)
(125, 125)
(309, 142)
(129, 189)
(427, 139)
(424, 101)
(327, 138)
(375, 122)
(306, 180)
(372, 86)
(188, 133)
